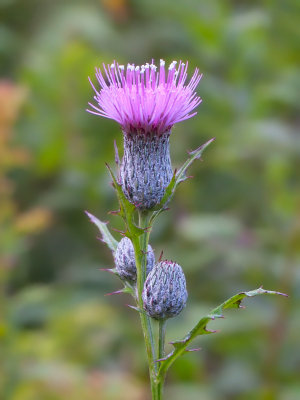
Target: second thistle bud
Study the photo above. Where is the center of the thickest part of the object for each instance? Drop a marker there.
(165, 294)
(125, 260)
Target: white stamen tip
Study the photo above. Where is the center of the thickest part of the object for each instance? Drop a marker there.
(153, 67)
(112, 66)
(121, 67)
(137, 68)
(162, 63)
(172, 65)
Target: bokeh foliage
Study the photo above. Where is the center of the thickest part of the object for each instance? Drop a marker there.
(234, 226)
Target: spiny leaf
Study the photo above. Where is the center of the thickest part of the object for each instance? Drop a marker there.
(126, 210)
(134, 308)
(195, 154)
(178, 177)
(192, 350)
(106, 235)
(201, 327)
(115, 292)
(111, 270)
(126, 289)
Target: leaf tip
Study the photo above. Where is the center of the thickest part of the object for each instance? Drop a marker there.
(116, 292)
(117, 212)
(212, 330)
(161, 255)
(110, 270)
(134, 308)
(119, 231)
(164, 358)
(89, 215)
(191, 350)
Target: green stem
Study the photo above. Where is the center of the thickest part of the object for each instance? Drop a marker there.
(161, 338)
(161, 353)
(140, 247)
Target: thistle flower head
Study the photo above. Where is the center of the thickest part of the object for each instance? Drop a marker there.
(146, 98)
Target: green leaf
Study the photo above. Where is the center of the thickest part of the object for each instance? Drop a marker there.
(195, 154)
(201, 327)
(126, 211)
(107, 237)
(178, 177)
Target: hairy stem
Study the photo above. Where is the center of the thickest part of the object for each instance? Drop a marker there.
(161, 353)
(140, 247)
(161, 338)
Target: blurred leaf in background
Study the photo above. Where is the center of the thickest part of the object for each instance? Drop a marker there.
(234, 226)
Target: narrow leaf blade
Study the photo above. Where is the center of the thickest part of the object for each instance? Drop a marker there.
(107, 237)
(127, 209)
(178, 177)
(194, 155)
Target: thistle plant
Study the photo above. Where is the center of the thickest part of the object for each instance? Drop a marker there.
(147, 101)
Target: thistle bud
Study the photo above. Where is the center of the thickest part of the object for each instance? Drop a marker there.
(146, 169)
(165, 293)
(125, 260)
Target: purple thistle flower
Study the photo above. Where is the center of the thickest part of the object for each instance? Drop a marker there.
(144, 100)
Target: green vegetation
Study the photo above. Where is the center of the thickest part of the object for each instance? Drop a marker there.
(233, 227)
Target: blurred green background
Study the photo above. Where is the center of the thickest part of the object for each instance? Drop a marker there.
(234, 226)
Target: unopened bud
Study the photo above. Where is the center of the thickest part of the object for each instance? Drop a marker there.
(125, 260)
(165, 293)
